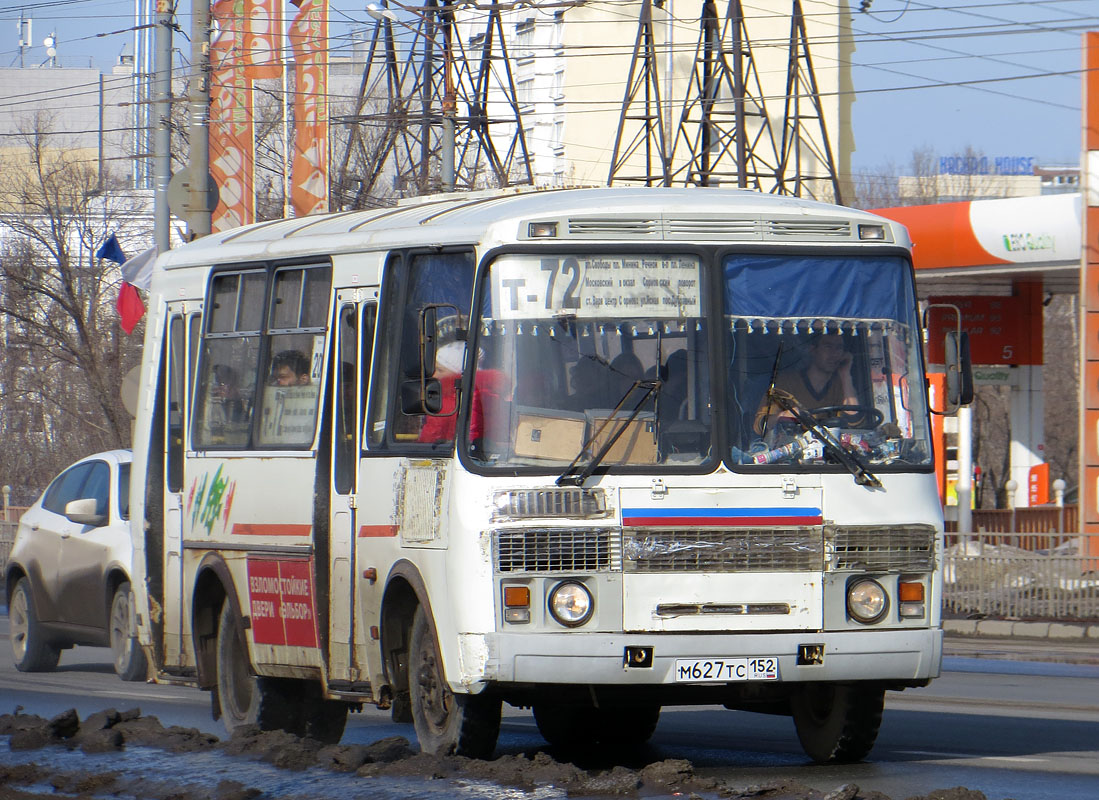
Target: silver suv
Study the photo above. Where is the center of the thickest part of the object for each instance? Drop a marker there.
(68, 576)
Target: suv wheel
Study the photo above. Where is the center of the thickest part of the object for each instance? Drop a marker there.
(129, 658)
(29, 647)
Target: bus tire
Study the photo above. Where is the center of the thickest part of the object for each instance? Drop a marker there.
(837, 723)
(30, 648)
(446, 723)
(244, 698)
(568, 728)
(129, 658)
(628, 726)
(580, 727)
(323, 720)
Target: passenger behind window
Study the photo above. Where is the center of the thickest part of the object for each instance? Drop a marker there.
(290, 368)
(626, 370)
(588, 379)
(226, 395)
(448, 371)
(672, 402)
(490, 410)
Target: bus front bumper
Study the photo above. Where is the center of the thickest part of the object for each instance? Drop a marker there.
(902, 656)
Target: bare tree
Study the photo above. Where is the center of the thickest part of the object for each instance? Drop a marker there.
(65, 355)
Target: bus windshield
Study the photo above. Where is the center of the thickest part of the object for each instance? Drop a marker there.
(604, 361)
(592, 356)
(824, 361)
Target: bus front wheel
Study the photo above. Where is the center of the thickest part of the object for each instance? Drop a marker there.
(446, 723)
(244, 698)
(837, 723)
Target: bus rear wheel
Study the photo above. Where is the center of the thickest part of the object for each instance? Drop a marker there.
(837, 723)
(245, 698)
(446, 723)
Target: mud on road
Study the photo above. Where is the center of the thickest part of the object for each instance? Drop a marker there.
(126, 755)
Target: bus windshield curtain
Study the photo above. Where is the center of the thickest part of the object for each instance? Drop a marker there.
(815, 286)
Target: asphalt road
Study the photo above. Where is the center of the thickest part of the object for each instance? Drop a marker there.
(998, 720)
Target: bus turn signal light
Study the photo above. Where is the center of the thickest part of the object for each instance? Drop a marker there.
(910, 592)
(517, 604)
(911, 599)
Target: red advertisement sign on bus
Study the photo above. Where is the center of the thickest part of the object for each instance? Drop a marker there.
(282, 607)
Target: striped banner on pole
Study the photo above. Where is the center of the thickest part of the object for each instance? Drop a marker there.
(232, 147)
(309, 171)
(263, 39)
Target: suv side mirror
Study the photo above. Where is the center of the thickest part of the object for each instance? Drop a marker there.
(83, 512)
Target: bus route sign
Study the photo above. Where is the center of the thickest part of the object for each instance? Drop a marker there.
(653, 287)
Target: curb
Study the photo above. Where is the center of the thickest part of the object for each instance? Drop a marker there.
(1004, 628)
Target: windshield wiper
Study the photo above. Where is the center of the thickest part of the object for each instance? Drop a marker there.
(771, 390)
(567, 478)
(834, 448)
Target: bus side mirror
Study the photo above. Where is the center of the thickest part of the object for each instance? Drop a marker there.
(959, 370)
(429, 339)
(437, 327)
(421, 397)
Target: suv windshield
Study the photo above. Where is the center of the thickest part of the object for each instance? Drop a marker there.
(834, 338)
(588, 355)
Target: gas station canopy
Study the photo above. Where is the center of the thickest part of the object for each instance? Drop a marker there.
(986, 246)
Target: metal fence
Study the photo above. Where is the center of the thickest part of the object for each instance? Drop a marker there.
(1036, 519)
(1050, 576)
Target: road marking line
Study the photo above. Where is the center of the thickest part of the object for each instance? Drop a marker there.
(970, 756)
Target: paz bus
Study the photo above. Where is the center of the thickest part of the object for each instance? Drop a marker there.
(534, 448)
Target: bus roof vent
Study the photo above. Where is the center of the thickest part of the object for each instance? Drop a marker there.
(641, 227)
(809, 229)
(713, 228)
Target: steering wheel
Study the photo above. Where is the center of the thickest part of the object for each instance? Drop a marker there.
(838, 413)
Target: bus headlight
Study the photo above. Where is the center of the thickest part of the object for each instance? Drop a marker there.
(866, 600)
(571, 603)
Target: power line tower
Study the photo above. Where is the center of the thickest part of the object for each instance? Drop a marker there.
(724, 135)
(421, 120)
(724, 124)
(803, 110)
(642, 118)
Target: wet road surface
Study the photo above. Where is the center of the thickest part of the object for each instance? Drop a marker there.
(999, 720)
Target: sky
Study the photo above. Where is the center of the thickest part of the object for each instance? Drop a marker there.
(1001, 78)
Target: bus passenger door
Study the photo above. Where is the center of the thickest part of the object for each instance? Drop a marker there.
(182, 340)
(346, 640)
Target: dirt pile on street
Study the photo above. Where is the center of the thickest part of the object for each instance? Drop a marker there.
(391, 758)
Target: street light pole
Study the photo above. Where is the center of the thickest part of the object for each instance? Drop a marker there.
(199, 97)
(162, 139)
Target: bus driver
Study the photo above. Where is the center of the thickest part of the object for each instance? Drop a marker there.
(824, 381)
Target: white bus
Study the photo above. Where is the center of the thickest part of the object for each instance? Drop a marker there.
(543, 449)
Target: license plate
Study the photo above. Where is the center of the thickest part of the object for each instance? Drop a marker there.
(724, 670)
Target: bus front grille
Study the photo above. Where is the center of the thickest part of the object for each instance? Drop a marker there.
(908, 548)
(557, 550)
(722, 550)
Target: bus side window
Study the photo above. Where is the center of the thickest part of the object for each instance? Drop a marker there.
(177, 360)
(225, 388)
(429, 278)
(295, 333)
